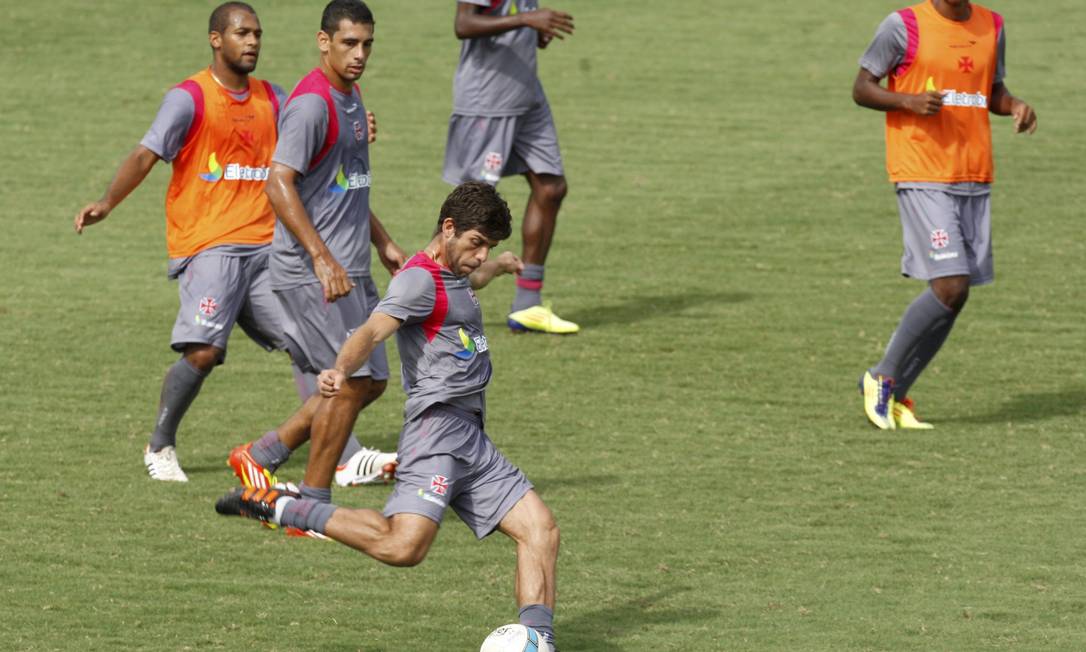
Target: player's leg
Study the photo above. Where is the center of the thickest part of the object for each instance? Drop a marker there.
(531, 525)
(210, 294)
(536, 155)
(402, 540)
(332, 424)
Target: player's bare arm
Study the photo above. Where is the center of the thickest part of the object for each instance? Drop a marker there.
(869, 93)
(356, 350)
(284, 198)
(371, 127)
(506, 263)
(1003, 103)
(390, 253)
(132, 171)
(471, 23)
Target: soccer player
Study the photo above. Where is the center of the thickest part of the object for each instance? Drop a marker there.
(217, 128)
(944, 60)
(319, 186)
(445, 456)
(501, 125)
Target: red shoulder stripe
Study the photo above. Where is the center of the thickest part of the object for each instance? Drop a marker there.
(912, 30)
(197, 93)
(273, 99)
(433, 323)
(315, 82)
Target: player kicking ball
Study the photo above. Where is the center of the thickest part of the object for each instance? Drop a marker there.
(445, 457)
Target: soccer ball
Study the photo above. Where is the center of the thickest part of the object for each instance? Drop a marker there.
(515, 638)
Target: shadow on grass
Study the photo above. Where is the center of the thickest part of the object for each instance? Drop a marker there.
(653, 305)
(590, 630)
(1037, 406)
(573, 482)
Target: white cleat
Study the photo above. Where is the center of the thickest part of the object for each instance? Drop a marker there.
(367, 466)
(163, 465)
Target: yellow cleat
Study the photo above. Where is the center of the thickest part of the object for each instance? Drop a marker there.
(541, 319)
(905, 416)
(878, 400)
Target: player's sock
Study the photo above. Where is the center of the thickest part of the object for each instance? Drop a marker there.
(925, 315)
(923, 354)
(304, 514)
(529, 287)
(320, 494)
(179, 388)
(306, 384)
(540, 618)
(269, 452)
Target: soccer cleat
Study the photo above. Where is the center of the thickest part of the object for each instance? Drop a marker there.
(905, 416)
(540, 319)
(367, 466)
(259, 504)
(248, 470)
(298, 532)
(878, 400)
(163, 464)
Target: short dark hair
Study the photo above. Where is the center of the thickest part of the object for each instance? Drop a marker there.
(220, 17)
(477, 205)
(355, 11)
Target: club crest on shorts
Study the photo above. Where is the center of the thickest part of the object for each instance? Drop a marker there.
(208, 306)
(492, 166)
(939, 239)
(439, 484)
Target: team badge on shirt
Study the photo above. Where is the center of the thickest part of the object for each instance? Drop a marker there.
(939, 239)
(358, 133)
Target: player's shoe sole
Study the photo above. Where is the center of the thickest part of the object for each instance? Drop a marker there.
(905, 416)
(367, 466)
(248, 470)
(878, 396)
(258, 504)
(308, 534)
(540, 319)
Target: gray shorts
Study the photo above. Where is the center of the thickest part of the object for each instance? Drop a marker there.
(946, 235)
(445, 459)
(218, 290)
(315, 329)
(482, 148)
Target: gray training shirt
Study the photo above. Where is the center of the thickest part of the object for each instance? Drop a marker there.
(497, 74)
(334, 190)
(886, 51)
(443, 351)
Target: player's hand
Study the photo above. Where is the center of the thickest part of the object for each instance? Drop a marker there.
(549, 22)
(1024, 117)
(371, 127)
(333, 278)
(509, 263)
(927, 103)
(543, 40)
(330, 381)
(92, 213)
(392, 257)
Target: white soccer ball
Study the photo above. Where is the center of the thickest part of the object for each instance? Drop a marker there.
(515, 638)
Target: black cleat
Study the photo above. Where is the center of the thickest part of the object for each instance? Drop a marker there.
(254, 503)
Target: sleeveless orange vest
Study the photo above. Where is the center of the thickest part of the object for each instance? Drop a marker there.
(959, 60)
(216, 194)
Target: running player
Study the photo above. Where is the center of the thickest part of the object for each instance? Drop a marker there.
(945, 63)
(502, 125)
(445, 456)
(319, 186)
(217, 128)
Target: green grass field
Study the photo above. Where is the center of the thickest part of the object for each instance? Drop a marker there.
(730, 246)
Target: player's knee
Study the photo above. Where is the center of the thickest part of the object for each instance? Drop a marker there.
(203, 357)
(374, 391)
(405, 555)
(544, 533)
(952, 292)
(553, 191)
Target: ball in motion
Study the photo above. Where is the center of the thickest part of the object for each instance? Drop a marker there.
(515, 638)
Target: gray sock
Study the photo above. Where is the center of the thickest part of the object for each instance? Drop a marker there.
(540, 618)
(307, 514)
(529, 287)
(320, 494)
(306, 384)
(179, 388)
(920, 357)
(269, 452)
(924, 316)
